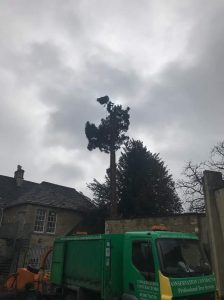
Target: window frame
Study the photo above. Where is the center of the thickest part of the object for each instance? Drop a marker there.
(45, 221)
(36, 220)
(55, 222)
(149, 275)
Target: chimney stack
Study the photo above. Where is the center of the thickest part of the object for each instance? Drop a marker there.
(18, 175)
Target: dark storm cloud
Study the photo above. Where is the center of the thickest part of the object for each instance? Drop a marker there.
(183, 111)
(163, 60)
(79, 105)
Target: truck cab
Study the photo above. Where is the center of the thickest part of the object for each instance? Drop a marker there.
(166, 265)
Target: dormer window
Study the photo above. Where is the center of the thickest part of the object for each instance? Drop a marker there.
(45, 221)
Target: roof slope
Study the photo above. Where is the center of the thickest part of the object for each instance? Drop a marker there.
(9, 191)
(45, 193)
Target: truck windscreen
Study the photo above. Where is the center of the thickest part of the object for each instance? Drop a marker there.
(182, 257)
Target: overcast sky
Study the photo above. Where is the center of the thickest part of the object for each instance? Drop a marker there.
(164, 59)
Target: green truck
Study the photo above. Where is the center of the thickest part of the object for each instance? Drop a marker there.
(132, 266)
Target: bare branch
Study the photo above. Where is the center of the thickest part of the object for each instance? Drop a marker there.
(191, 185)
(217, 157)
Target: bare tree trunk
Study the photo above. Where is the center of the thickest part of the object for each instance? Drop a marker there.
(113, 198)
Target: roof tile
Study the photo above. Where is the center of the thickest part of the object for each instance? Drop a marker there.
(45, 193)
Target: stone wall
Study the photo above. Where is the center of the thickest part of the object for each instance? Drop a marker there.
(196, 223)
(66, 220)
(18, 222)
(219, 195)
(214, 201)
(17, 231)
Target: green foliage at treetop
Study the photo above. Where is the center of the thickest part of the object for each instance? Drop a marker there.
(144, 185)
(110, 134)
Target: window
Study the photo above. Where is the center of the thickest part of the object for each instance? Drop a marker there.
(142, 258)
(40, 220)
(179, 257)
(45, 221)
(51, 222)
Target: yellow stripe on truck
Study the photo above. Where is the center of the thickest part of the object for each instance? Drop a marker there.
(165, 288)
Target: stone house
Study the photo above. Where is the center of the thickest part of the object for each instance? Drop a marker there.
(33, 214)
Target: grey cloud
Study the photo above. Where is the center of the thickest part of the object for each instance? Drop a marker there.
(182, 111)
(76, 105)
(61, 57)
(65, 172)
(117, 81)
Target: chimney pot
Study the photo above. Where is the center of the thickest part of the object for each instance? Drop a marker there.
(18, 175)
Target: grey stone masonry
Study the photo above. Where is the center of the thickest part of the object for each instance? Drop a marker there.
(214, 201)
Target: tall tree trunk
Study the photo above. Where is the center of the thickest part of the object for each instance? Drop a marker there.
(113, 198)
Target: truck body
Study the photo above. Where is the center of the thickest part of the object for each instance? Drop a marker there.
(132, 266)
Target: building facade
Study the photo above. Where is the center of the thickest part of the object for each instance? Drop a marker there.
(32, 215)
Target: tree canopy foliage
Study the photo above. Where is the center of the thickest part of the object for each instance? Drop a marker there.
(191, 185)
(108, 136)
(144, 185)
